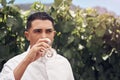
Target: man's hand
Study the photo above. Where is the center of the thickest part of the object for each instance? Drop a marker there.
(38, 50)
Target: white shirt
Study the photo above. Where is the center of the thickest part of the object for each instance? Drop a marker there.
(55, 68)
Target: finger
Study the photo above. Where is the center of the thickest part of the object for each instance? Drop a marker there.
(42, 51)
(46, 40)
(43, 44)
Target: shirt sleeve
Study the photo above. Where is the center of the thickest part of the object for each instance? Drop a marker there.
(9, 66)
(6, 74)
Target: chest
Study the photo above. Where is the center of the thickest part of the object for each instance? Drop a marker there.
(53, 70)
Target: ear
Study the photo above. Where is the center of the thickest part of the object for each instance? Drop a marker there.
(26, 33)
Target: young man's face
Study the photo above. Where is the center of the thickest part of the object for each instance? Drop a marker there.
(40, 29)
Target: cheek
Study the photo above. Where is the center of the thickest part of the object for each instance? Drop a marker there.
(33, 39)
(52, 37)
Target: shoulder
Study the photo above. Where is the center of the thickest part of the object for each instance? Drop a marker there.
(62, 59)
(15, 60)
(64, 64)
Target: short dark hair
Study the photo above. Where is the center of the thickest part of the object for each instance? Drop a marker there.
(38, 15)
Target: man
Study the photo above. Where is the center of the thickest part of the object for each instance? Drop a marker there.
(32, 64)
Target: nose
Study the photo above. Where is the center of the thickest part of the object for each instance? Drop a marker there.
(43, 35)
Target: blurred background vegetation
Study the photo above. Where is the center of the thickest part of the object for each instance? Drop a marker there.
(89, 40)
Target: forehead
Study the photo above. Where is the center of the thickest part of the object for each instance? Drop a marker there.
(41, 24)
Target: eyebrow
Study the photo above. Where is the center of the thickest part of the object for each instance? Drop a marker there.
(45, 29)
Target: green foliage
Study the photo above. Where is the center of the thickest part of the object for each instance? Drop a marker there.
(11, 31)
(89, 40)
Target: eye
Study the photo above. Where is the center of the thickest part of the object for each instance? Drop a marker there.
(49, 30)
(37, 31)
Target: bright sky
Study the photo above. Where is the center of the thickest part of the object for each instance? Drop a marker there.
(110, 5)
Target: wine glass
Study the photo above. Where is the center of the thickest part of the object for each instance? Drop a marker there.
(49, 51)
